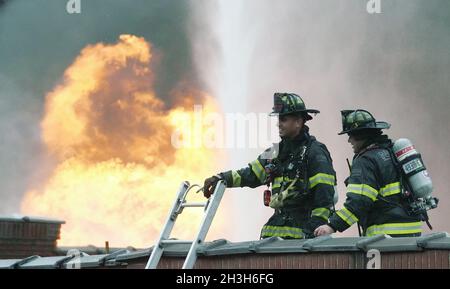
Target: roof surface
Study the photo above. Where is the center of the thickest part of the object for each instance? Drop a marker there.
(219, 247)
(33, 219)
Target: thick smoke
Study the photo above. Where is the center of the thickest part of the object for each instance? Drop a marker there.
(333, 53)
(337, 56)
(39, 40)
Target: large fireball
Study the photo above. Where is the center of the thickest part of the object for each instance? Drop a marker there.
(116, 171)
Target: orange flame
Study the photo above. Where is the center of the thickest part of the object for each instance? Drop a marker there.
(117, 172)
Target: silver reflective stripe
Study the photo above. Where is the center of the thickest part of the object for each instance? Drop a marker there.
(279, 180)
(363, 189)
(323, 213)
(390, 189)
(278, 231)
(347, 216)
(259, 171)
(321, 178)
(395, 229)
(236, 178)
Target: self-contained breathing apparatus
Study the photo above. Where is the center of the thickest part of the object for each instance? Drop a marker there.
(416, 185)
(415, 182)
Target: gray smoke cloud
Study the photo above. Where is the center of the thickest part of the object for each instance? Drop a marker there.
(336, 56)
(333, 53)
(39, 40)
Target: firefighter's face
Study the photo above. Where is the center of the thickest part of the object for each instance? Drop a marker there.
(289, 125)
(357, 143)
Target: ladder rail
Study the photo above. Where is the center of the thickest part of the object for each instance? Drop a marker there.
(211, 209)
(157, 251)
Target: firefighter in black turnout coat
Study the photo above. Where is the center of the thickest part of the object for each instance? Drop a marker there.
(374, 192)
(299, 170)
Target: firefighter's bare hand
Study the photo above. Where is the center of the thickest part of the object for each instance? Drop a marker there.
(210, 185)
(323, 230)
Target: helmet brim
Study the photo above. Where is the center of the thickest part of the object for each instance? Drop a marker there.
(307, 111)
(378, 125)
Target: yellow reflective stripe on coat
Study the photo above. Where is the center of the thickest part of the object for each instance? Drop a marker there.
(321, 178)
(363, 189)
(390, 189)
(258, 170)
(282, 231)
(323, 213)
(347, 216)
(236, 178)
(394, 229)
(277, 181)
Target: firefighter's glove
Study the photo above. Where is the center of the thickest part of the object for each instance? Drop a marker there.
(210, 185)
(278, 200)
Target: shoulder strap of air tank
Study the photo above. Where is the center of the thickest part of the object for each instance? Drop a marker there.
(403, 184)
(397, 165)
(304, 160)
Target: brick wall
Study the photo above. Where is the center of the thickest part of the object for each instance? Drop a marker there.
(429, 259)
(349, 260)
(21, 237)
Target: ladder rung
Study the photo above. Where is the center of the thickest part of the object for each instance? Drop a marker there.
(165, 242)
(180, 202)
(184, 205)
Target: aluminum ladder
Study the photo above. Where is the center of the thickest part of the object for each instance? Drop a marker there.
(180, 203)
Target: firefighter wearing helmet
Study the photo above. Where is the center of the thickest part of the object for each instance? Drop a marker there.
(374, 192)
(299, 170)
